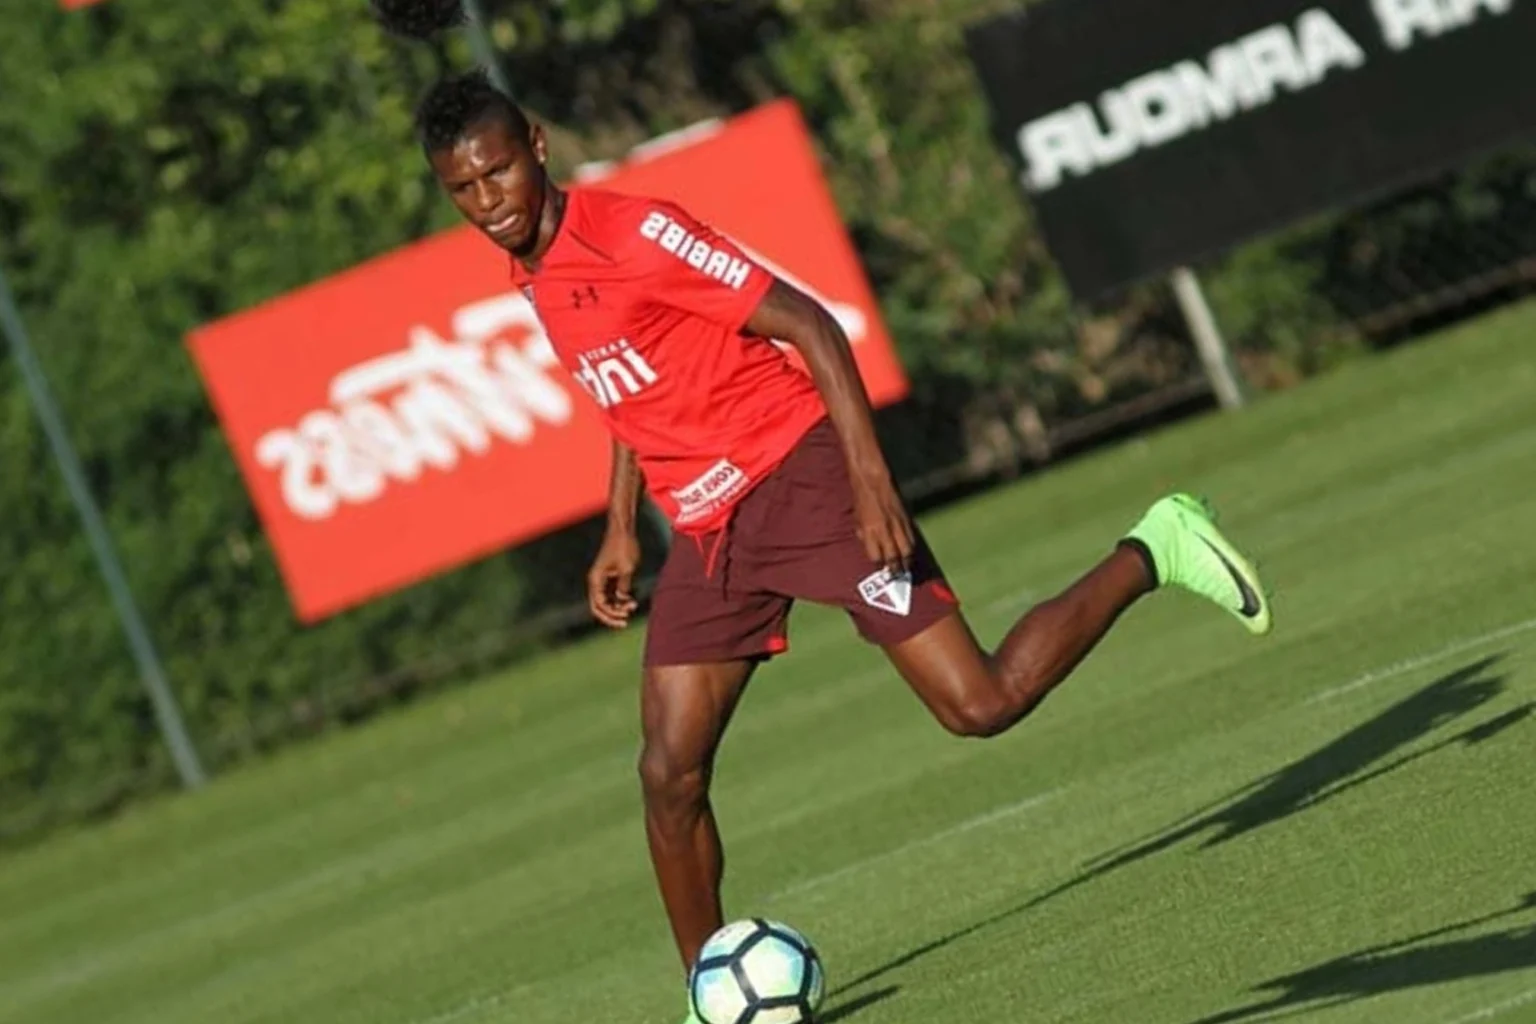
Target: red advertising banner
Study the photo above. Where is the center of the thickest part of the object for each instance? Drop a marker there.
(408, 415)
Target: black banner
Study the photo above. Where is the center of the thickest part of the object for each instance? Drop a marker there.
(1153, 133)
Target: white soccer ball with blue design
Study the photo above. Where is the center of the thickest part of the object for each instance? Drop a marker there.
(756, 972)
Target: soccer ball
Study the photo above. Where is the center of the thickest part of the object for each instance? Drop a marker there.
(756, 972)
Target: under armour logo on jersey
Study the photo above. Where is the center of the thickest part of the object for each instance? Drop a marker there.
(583, 295)
(888, 591)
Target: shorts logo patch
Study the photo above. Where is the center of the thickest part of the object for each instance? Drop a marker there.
(888, 591)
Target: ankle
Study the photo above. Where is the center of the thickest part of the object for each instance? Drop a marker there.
(1143, 555)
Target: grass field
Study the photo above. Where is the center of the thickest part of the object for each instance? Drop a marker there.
(1337, 822)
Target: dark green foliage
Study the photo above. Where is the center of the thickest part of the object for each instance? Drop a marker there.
(417, 19)
(167, 162)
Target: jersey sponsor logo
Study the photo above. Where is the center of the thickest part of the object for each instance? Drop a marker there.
(718, 485)
(612, 373)
(888, 591)
(397, 415)
(729, 270)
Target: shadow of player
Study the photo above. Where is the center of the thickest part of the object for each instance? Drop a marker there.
(1410, 963)
(843, 1011)
(1361, 755)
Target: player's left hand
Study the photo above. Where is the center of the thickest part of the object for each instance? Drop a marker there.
(882, 523)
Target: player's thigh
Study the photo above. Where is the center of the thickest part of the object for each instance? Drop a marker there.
(802, 540)
(695, 618)
(684, 712)
(703, 640)
(951, 674)
(916, 620)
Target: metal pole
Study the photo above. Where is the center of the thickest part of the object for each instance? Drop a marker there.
(166, 711)
(1208, 341)
(485, 49)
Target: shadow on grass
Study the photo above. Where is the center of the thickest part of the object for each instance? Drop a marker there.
(1365, 753)
(1410, 963)
(842, 1011)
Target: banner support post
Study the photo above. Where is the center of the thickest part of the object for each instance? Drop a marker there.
(485, 48)
(151, 672)
(1210, 345)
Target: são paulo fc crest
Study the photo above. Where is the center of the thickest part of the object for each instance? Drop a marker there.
(888, 591)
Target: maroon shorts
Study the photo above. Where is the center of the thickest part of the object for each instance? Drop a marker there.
(727, 595)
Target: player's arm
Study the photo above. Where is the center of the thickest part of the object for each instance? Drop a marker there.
(789, 315)
(610, 581)
(686, 264)
(623, 489)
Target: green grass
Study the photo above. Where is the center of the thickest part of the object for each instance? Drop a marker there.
(1333, 822)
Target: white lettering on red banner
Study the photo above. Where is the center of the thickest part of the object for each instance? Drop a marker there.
(422, 408)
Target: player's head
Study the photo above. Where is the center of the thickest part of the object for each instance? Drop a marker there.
(488, 157)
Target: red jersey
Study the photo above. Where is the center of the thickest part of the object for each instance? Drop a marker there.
(645, 306)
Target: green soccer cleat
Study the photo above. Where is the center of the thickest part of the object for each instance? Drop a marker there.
(1189, 551)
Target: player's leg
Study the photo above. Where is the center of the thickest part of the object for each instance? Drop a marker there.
(809, 548)
(704, 634)
(684, 711)
(974, 693)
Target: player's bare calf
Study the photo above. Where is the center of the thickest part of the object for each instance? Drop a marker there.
(684, 710)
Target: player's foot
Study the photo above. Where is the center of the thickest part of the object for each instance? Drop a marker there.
(1189, 551)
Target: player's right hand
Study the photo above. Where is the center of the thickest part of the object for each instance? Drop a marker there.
(610, 581)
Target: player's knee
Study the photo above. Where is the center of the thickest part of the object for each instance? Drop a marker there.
(979, 717)
(669, 781)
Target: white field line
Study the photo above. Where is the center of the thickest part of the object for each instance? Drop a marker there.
(1489, 1012)
(998, 814)
(1419, 661)
(1014, 602)
(474, 1005)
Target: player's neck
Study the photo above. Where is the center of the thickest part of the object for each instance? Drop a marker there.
(550, 220)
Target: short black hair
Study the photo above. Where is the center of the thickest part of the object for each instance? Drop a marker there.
(460, 102)
(417, 19)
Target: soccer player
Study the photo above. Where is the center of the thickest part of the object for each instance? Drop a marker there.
(773, 478)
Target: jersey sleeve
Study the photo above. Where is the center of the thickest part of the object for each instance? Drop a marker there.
(686, 264)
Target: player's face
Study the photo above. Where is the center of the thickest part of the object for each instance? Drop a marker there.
(496, 179)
